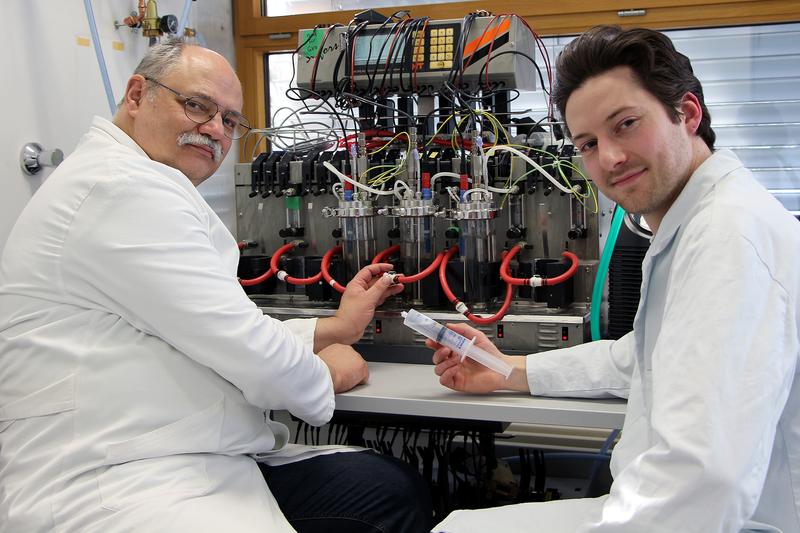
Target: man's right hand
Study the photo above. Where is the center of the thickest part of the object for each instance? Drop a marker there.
(346, 366)
(470, 376)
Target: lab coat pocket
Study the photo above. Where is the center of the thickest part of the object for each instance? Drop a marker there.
(162, 464)
(54, 398)
(159, 481)
(199, 432)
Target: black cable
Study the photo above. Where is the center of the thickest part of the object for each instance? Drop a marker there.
(371, 80)
(541, 78)
(373, 102)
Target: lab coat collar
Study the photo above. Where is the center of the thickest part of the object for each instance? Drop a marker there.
(700, 183)
(106, 127)
(101, 126)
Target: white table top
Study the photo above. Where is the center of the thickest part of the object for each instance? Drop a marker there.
(410, 389)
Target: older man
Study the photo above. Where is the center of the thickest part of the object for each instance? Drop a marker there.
(136, 374)
(711, 441)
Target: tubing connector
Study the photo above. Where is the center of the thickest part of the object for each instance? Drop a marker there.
(536, 281)
(461, 307)
(282, 275)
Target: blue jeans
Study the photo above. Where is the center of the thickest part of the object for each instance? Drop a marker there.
(351, 492)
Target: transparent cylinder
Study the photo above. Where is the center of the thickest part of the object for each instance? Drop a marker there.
(358, 246)
(477, 252)
(416, 248)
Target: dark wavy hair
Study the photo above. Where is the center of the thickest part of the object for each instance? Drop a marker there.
(660, 68)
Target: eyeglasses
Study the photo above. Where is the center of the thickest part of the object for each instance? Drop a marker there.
(201, 110)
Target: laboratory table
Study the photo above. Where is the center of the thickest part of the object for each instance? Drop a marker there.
(414, 390)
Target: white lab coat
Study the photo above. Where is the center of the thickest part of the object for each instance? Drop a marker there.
(711, 440)
(134, 371)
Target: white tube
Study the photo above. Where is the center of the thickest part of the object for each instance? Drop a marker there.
(532, 163)
(342, 177)
(458, 343)
(443, 175)
(470, 192)
(98, 50)
(184, 17)
(400, 183)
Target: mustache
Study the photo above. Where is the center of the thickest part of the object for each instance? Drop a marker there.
(201, 140)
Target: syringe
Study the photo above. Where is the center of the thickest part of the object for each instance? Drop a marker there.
(458, 343)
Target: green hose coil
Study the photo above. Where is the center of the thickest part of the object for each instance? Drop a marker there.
(602, 271)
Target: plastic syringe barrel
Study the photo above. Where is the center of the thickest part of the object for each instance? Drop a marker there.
(458, 343)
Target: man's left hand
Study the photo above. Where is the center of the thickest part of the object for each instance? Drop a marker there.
(368, 289)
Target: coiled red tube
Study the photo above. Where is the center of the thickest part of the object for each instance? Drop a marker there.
(504, 268)
(276, 257)
(270, 271)
(380, 256)
(326, 263)
(506, 274)
(460, 306)
(566, 275)
(424, 273)
(499, 314)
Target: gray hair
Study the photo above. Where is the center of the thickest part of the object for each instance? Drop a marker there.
(161, 58)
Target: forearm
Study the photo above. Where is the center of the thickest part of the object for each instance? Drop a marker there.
(333, 330)
(518, 380)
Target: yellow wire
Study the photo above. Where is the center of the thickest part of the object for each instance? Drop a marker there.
(392, 140)
(435, 133)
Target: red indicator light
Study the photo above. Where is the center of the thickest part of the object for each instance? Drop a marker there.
(378, 326)
(500, 332)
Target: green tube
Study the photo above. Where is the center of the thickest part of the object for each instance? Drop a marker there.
(602, 271)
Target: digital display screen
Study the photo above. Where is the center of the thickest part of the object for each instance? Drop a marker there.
(370, 49)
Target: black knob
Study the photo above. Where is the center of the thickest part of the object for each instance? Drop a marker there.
(547, 190)
(252, 194)
(393, 233)
(336, 233)
(452, 233)
(576, 233)
(514, 232)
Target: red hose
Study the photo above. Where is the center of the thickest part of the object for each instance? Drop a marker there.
(506, 274)
(499, 314)
(276, 257)
(270, 271)
(326, 263)
(255, 281)
(443, 275)
(455, 301)
(423, 274)
(504, 268)
(566, 275)
(380, 256)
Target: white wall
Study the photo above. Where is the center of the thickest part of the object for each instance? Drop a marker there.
(52, 86)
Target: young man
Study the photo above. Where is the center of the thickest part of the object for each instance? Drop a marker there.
(136, 374)
(711, 441)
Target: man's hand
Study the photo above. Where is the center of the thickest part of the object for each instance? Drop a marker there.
(366, 291)
(346, 366)
(470, 376)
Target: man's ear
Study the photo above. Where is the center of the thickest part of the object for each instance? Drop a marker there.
(135, 93)
(692, 112)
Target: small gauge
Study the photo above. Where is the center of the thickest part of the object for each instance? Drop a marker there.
(168, 24)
